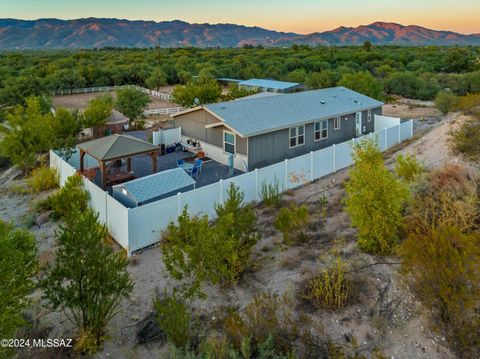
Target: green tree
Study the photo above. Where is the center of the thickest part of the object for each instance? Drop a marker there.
(367, 46)
(194, 94)
(446, 101)
(88, 279)
(131, 103)
(364, 83)
(66, 127)
(27, 131)
(157, 79)
(97, 111)
(18, 264)
(375, 199)
(318, 80)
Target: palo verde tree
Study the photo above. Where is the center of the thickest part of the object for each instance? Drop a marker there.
(18, 264)
(375, 199)
(131, 103)
(88, 279)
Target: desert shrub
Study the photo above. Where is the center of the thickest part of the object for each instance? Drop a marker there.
(43, 179)
(445, 197)
(268, 315)
(88, 279)
(331, 287)
(293, 222)
(199, 252)
(70, 198)
(18, 265)
(88, 342)
(470, 103)
(443, 269)
(375, 199)
(173, 317)
(270, 194)
(446, 102)
(407, 167)
(466, 139)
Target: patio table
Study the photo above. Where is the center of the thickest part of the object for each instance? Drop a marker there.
(186, 166)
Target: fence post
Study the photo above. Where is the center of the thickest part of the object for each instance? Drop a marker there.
(400, 133)
(411, 128)
(334, 159)
(386, 139)
(286, 173)
(221, 191)
(256, 184)
(179, 203)
(311, 166)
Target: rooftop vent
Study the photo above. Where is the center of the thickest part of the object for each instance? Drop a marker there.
(323, 102)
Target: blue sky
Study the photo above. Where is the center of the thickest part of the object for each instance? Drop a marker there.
(303, 16)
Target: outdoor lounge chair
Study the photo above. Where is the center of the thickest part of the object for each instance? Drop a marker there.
(180, 162)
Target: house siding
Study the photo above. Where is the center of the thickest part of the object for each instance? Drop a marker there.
(273, 147)
(193, 126)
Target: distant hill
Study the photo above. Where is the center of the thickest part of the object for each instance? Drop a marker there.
(98, 33)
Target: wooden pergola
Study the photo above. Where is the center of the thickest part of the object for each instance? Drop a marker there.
(115, 147)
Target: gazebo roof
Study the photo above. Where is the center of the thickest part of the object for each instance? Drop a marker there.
(116, 146)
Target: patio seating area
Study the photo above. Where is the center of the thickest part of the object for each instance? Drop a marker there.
(203, 170)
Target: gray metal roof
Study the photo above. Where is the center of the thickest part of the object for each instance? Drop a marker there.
(158, 184)
(273, 84)
(116, 146)
(255, 116)
(259, 95)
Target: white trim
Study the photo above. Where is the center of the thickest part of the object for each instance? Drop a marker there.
(297, 135)
(234, 143)
(216, 124)
(320, 130)
(339, 118)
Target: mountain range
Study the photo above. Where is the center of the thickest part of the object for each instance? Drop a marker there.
(99, 32)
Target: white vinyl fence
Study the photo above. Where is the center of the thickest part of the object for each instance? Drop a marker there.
(157, 111)
(167, 137)
(162, 95)
(136, 228)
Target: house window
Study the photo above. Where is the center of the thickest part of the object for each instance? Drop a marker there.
(337, 123)
(369, 116)
(229, 142)
(321, 130)
(297, 136)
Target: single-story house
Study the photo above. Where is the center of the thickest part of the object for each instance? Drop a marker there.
(266, 85)
(153, 187)
(265, 130)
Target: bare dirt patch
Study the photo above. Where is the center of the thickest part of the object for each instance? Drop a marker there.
(80, 101)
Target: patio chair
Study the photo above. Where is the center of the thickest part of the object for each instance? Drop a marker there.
(199, 164)
(180, 162)
(194, 171)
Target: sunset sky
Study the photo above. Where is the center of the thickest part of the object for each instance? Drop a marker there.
(301, 16)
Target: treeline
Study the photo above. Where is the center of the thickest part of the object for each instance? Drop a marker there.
(414, 72)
